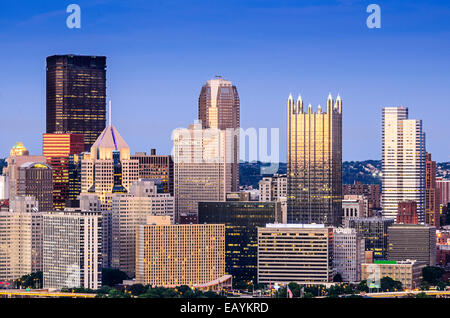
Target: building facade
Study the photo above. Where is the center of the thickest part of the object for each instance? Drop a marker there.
(403, 161)
(348, 254)
(76, 96)
(432, 202)
(407, 212)
(36, 179)
(273, 188)
(72, 249)
(314, 168)
(174, 255)
(241, 219)
(301, 253)
(354, 206)
(443, 188)
(371, 191)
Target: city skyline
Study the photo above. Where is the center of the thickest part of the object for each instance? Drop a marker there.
(140, 78)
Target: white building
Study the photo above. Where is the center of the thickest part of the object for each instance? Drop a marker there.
(4, 187)
(348, 254)
(403, 156)
(72, 245)
(354, 206)
(202, 167)
(129, 211)
(273, 188)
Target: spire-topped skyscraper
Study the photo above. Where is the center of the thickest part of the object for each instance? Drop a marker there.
(219, 107)
(314, 169)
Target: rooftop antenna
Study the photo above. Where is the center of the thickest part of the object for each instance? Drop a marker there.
(109, 113)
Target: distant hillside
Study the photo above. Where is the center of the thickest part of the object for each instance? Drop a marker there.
(368, 171)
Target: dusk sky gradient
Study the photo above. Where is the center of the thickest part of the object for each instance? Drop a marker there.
(160, 53)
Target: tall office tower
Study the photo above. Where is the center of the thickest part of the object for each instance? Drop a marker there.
(200, 172)
(371, 191)
(130, 210)
(314, 169)
(108, 169)
(348, 254)
(273, 188)
(407, 213)
(432, 206)
(155, 166)
(57, 148)
(443, 188)
(174, 255)
(17, 157)
(301, 253)
(72, 246)
(76, 96)
(36, 179)
(219, 107)
(74, 184)
(375, 232)
(412, 241)
(4, 187)
(241, 219)
(21, 239)
(403, 154)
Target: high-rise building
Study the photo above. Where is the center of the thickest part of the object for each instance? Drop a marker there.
(273, 188)
(155, 166)
(348, 254)
(432, 206)
(407, 212)
(108, 169)
(200, 169)
(403, 160)
(241, 219)
(36, 179)
(21, 239)
(75, 179)
(130, 210)
(57, 148)
(174, 255)
(76, 96)
(72, 247)
(301, 253)
(412, 241)
(219, 108)
(4, 187)
(371, 191)
(375, 233)
(443, 188)
(314, 168)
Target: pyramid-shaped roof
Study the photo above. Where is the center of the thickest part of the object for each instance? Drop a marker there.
(109, 140)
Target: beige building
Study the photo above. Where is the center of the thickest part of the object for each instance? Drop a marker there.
(108, 169)
(348, 254)
(174, 255)
(354, 206)
(20, 238)
(301, 253)
(408, 272)
(273, 188)
(129, 211)
(202, 169)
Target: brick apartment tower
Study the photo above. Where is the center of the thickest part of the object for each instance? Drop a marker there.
(407, 212)
(432, 213)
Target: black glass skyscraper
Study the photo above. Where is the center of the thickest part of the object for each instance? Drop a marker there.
(76, 96)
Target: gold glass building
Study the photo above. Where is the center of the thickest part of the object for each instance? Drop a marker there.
(314, 169)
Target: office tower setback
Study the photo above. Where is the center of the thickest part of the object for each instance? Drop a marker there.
(348, 254)
(219, 108)
(443, 188)
(174, 255)
(371, 191)
(200, 169)
(407, 212)
(130, 210)
(241, 219)
(314, 168)
(57, 148)
(432, 207)
(155, 166)
(108, 169)
(375, 233)
(412, 241)
(403, 161)
(301, 253)
(72, 245)
(76, 96)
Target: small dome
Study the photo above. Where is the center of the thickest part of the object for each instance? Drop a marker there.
(18, 150)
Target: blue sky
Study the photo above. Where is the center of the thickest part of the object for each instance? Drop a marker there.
(160, 53)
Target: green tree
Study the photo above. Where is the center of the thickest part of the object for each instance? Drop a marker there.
(112, 277)
(362, 286)
(432, 274)
(337, 278)
(137, 289)
(388, 284)
(422, 295)
(33, 280)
